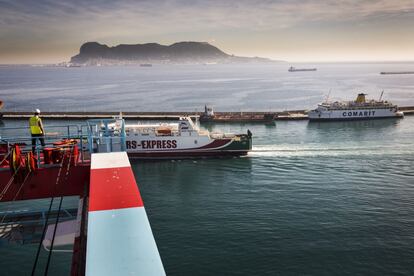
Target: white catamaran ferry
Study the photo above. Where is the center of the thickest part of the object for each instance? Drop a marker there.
(355, 110)
(179, 139)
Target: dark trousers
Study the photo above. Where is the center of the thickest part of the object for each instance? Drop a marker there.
(36, 137)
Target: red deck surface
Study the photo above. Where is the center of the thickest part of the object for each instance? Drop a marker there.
(113, 188)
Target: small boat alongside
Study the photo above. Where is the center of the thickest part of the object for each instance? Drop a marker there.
(360, 109)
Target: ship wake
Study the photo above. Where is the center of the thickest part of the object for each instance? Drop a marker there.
(319, 150)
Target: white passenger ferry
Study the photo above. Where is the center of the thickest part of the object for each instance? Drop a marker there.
(355, 110)
(180, 139)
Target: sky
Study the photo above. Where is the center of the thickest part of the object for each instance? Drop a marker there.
(51, 31)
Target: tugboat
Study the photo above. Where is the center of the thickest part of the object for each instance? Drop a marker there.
(180, 139)
(208, 115)
(355, 110)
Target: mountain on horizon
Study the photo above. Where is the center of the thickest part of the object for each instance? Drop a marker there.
(94, 53)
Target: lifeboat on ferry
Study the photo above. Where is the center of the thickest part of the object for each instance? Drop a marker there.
(163, 131)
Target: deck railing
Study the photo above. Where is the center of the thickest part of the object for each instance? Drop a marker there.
(54, 133)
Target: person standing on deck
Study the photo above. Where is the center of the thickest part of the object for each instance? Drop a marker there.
(36, 129)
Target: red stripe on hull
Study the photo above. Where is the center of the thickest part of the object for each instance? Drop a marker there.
(113, 188)
(215, 144)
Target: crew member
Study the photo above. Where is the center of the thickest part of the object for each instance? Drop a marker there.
(36, 129)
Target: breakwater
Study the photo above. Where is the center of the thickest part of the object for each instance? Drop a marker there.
(251, 116)
(218, 116)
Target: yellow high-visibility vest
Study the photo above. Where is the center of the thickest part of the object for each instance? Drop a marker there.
(35, 123)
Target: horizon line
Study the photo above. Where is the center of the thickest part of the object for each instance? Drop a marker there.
(276, 61)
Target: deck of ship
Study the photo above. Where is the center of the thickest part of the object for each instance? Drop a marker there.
(108, 234)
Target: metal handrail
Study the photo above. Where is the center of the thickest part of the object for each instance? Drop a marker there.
(48, 126)
(97, 132)
(70, 131)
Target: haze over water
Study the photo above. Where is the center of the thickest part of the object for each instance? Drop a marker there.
(331, 198)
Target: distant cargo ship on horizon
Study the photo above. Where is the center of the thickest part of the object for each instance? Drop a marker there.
(293, 69)
(396, 72)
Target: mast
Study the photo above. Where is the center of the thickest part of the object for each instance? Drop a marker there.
(380, 98)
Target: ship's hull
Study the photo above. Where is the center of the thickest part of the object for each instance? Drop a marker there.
(354, 114)
(170, 148)
(185, 154)
(302, 70)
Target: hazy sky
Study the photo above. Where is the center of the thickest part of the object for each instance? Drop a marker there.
(37, 31)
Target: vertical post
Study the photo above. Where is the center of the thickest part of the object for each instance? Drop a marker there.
(106, 128)
(79, 247)
(37, 153)
(90, 138)
(123, 136)
(81, 143)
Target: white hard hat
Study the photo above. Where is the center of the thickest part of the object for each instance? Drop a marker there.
(37, 111)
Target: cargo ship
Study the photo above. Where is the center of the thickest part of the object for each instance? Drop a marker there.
(360, 109)
(178, 139)
(397, 72)
(293, 69)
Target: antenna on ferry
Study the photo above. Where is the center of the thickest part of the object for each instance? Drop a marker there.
(327, 97)
(380, 98)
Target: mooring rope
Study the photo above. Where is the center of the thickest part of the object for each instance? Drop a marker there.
(5, 157)
(17, 194)
(6, 188)
(47, 218)
(58, 215)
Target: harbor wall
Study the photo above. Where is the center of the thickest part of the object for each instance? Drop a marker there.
(249, 116)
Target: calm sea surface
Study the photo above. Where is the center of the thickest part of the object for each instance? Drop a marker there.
(190, 87)
(331, 198)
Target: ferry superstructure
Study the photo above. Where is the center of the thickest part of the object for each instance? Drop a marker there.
(181, 139)
(355, 110)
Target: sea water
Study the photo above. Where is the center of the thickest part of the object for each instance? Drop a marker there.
(190, 87)
(331, 198)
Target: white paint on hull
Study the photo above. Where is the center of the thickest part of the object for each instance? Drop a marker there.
(352, 114)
